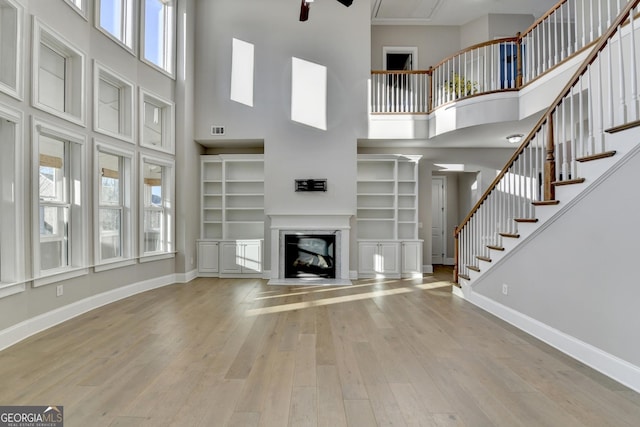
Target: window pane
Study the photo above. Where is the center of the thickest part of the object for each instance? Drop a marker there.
(51, 78)
(51, 169)
(108, 107)
(153, 230)
(152, 185)
(110, 233)
(154, 32)
(53, 237)
(109, 167)
(111, 17)
(152, 124)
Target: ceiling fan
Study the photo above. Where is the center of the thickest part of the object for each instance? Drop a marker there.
(304, 8)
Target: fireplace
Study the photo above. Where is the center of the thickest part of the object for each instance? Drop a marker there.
(309, 249)
(309, 256)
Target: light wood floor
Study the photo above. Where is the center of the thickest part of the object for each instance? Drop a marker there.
(240, 353)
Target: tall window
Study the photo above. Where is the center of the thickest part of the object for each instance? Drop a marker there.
(114, 229)
(10, 49)
(113, 104)
(58, 77)
(157, 206)
(79, 6)
(160, 33)
(59, 216)
(11, 193)
(116, 19)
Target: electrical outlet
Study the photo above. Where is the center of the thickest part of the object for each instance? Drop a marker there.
(59, 290)
(505, 289)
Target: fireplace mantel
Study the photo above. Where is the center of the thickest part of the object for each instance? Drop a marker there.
(304, 223)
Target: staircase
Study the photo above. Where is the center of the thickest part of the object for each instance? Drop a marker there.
(590, 127)
(552, 246)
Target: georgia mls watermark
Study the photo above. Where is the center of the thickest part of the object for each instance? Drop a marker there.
(31, 416)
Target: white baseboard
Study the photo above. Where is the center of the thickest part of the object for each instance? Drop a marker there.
(449, 261)
(608, 364)
(25, 329)
(353, 274)
(266, 274)
(186, 277)
(427, 269)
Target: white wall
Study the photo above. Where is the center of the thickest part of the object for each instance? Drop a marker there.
(578, 276)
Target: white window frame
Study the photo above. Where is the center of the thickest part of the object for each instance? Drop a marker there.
(75, 159)
(14, 90)
(167, 208)
(167, 116)
(74, 79)
(126, 205)
(126, 102)
(168, 65)
(127, 40)
(12, 216)
(79, 6)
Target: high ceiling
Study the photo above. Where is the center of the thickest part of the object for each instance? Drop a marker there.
(450, 12)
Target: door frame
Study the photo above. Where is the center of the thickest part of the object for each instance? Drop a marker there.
(444, 180)
(412, 50)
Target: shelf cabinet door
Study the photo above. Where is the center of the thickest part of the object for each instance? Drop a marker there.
(208, 257)
(230, 259)
(367, 258)
(411, 259)
(389, 259)
(252, 257)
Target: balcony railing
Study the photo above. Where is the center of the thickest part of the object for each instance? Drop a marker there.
(499, 65)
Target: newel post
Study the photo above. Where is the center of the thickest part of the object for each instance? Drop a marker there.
(519, 61)
(550, 164)
(430, 97)
(456, 242)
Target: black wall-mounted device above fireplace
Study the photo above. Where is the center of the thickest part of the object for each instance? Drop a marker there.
(311, 184)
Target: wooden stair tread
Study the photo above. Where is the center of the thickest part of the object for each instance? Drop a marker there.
(568, 182)
(483, 258)
(512, 235)
(474, 268)
(596, 156)
(464, 276)
(496, 248)
(530, 220)
(545, 202)
(625, 126)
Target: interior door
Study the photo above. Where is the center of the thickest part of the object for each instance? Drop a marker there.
(437, 220)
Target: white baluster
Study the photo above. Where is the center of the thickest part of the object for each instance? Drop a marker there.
(632, 60)
(623, 104)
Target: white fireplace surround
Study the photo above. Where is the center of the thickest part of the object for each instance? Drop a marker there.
(282, 224)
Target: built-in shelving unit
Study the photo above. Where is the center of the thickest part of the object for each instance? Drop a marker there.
(388, 215)
(232, 211)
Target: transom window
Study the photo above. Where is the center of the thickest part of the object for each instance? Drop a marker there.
(113, 104)
(116, 19)
(10, 50)
(159, 34)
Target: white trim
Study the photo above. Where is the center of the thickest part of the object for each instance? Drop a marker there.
(186, 277)
(82, 11)
(353, 274)
(9, 289)
(17, 91)
(449, 261)
(60, 276)
(156, 257)
(427, 269)
(610, 365)
(29, 327)
(412, 50)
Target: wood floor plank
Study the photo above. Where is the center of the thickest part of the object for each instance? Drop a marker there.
(237, 352)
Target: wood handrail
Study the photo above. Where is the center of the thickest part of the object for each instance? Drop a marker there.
(400, 72)
(477, 46)
(602, 43)
(543, 17)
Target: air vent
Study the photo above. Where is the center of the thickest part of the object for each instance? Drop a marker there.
(217, 130)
